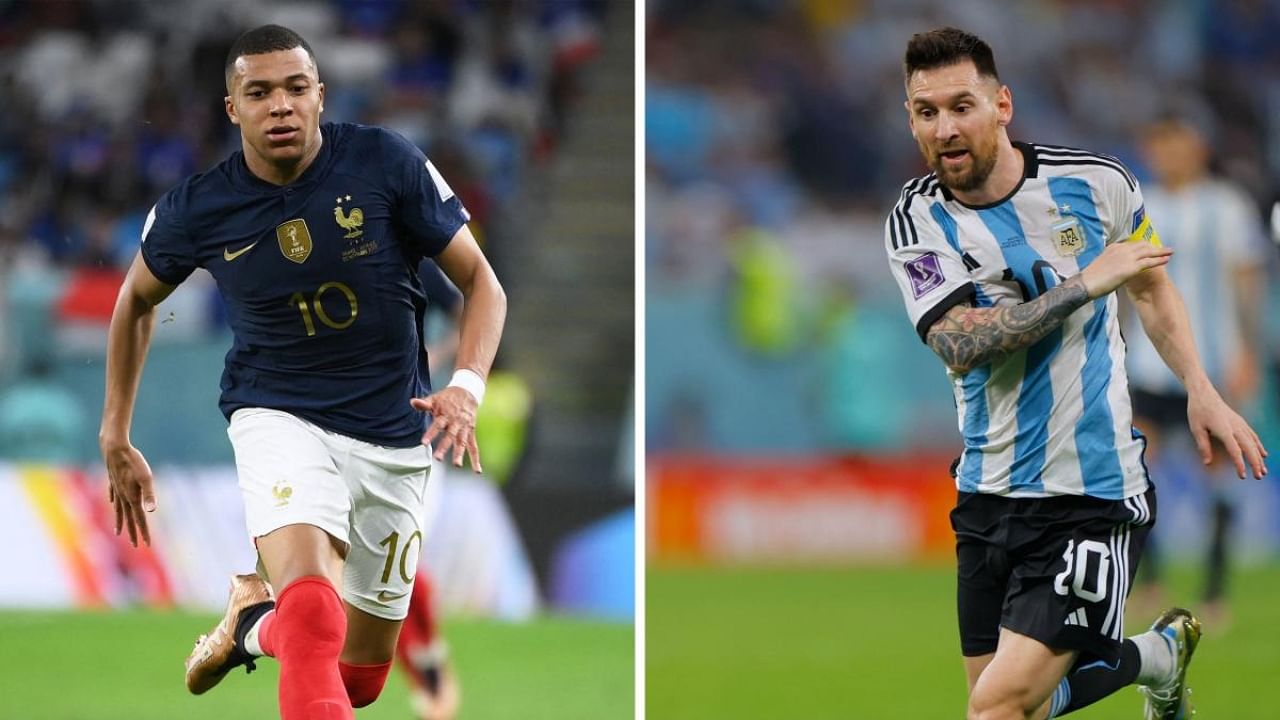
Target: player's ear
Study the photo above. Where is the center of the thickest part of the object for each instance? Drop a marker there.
(231, 110)
(321, 86)
(1004, 105)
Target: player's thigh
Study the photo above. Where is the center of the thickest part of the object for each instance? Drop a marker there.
(1022, 674)
(389, 487)
(371, 640)
(297, 506)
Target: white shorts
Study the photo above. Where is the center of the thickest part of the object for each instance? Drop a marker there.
(371, 498)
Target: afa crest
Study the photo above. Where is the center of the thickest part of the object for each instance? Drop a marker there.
(1068, 237)
(351, 222)
(295, 240)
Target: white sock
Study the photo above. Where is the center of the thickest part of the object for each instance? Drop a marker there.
(251, 645)
(1157, 658)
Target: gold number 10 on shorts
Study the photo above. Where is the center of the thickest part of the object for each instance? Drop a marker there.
(301, 301)
(394, 540)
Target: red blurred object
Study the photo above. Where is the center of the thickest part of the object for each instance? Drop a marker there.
(90, 295)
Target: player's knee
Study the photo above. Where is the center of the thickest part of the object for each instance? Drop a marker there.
(312, 618)
(364, 682)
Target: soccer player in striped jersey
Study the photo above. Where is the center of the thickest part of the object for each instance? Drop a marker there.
(1008, 256)
(1216, 229)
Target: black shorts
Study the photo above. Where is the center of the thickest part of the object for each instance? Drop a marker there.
(1055, 569)
(1159, 411)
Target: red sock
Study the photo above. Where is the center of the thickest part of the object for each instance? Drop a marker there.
(419, 628)
(364, 682)
(305, 634)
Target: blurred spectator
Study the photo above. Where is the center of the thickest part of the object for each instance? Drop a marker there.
(40, 420)
(112, 103)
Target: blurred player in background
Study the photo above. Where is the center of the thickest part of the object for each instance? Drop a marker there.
(1222, 259)
(1007, 256)
(421, 648)
(314, 235)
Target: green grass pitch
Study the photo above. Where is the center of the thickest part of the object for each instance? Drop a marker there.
(882, 643)
(128, 666)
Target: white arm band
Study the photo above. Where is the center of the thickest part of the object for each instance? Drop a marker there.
(470, 381)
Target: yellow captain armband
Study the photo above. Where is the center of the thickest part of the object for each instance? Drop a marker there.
(1145, 232)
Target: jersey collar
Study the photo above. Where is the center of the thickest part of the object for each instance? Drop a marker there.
(1030, 168)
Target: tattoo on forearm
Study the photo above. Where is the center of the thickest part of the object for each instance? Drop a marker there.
(967, 337)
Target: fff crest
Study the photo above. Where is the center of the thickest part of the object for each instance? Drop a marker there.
(295, 240)
(349, 222)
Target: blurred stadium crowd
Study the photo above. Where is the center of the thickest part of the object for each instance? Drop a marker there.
(777, 142)
(109, 104)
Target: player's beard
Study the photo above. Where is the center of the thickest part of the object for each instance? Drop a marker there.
(982, 160)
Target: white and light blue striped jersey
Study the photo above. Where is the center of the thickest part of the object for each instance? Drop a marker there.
(1055, 418)
(1215, 231)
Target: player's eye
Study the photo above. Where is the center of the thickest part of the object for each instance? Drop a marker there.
(927, 113)
(257, 93)
(962, 108)
(299, 88)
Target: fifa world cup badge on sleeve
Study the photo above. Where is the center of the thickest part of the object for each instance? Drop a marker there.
(925, 273)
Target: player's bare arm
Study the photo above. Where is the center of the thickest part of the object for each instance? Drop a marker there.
(1164, 318)
(130, 488)
(967, 337)
(484, 311)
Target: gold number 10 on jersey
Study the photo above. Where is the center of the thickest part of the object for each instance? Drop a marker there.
(301, 301)
(393, 540)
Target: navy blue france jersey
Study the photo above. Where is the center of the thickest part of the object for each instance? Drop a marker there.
(319, 278)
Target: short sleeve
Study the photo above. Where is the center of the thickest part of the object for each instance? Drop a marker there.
(429, 213)
(930, 271)
(166, 248)
(1130, 221)
(1241, 232)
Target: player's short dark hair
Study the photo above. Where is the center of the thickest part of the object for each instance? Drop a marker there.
(264, 39)
(948, 46)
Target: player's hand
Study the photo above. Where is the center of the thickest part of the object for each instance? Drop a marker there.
(1120, 262)
(1211, 419)
(130, 490)
(453, 425)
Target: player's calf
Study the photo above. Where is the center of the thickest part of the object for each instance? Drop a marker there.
(364, 682)
(306, 636)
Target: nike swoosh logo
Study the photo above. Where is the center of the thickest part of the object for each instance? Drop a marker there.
(229, 256)
(383, 597)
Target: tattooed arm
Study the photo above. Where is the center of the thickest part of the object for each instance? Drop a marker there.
(968, 337)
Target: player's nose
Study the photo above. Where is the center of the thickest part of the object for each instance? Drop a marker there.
(945, 127)
(281, 103)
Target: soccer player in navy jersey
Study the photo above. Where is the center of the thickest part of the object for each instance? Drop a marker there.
(314, 235)
(1008, 256)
